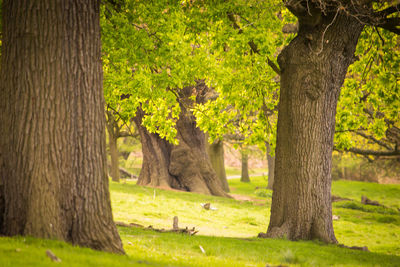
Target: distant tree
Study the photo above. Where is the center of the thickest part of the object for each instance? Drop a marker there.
(244, 177)
(186, 165)
(215, 151)
(52, 134)
(117, 127)
(271, 167)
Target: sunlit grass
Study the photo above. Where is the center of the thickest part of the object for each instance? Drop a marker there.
(228, 234)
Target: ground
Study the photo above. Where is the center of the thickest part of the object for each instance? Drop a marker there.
(228, 234)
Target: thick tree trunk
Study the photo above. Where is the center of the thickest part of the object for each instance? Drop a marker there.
(313, 69)
(114, 172)
(185, 166)
(216, 154)
(156, 158)
(245, 167)
(271, 167)
(52, 124)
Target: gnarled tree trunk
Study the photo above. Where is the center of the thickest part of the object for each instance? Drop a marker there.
(313, 68)
(185, 166)
(216, 153)
(52, 134)
(271, 167)
(245, 166)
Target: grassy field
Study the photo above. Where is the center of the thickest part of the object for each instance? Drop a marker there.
(227, 234)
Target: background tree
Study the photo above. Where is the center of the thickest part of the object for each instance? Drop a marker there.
(185, 166)
(215, 151)
(244, 177)
(271, 166)
(117, 127)
(52, 139)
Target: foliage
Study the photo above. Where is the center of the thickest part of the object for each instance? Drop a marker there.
(370, 99)
(151, 50)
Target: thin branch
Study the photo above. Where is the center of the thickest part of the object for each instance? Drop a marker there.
(379, 34)
(123, 121)
(373, 139)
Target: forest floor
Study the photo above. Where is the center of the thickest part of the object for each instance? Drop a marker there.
(227, 234)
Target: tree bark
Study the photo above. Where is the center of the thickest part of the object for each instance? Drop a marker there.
(185, 166)
(271, 167)
(313, 68)
(216, 154)
(245, 166)
(52, 124)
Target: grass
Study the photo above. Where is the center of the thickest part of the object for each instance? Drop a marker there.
(227, 234)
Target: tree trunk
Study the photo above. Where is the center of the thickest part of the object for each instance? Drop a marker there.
(312, 73)
(52, 124)
(113, 145)
(245, 167)
(185, 166)
(271, 167)
(156, 158)
(216, 154)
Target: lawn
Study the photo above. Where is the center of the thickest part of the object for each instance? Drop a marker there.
(228, 234)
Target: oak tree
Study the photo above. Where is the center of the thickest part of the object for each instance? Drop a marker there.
(52, 135)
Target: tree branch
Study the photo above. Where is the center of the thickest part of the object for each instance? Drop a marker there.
(388, 11)
(373, 139)
(370, 152)
(252, 45)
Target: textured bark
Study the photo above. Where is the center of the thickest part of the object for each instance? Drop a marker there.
(271, 167)
(245, 167)
(52, 124)
(313, 69)
(216, 153)
(185, 166)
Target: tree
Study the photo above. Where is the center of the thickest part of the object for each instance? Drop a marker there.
(313, 67)
(245, 165)
(185, 166)
(215, 151)
(117, 127)
(271, 167)
(52, 139)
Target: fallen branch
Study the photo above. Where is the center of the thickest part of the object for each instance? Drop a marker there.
(52, 256)
(175, 227)
(129, 224)
(127, 173)
(337, 198)
(367, 201)
(354, 247)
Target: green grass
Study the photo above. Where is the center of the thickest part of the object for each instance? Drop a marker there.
(228, 233)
